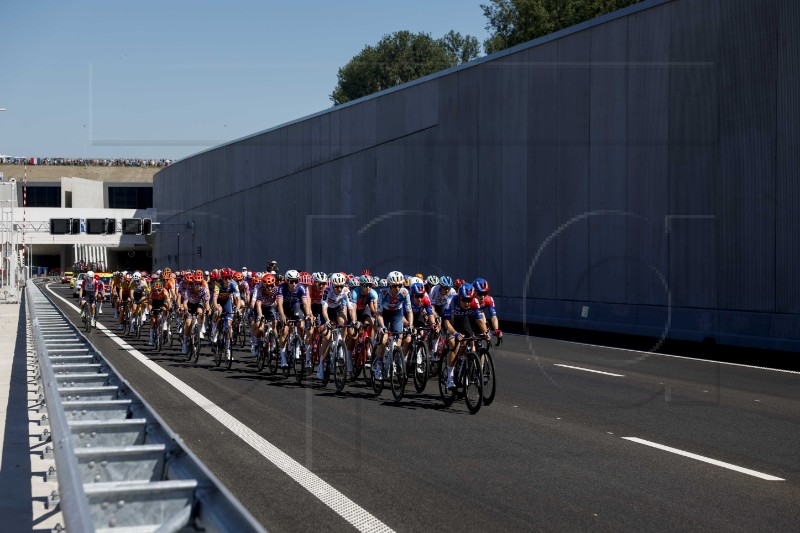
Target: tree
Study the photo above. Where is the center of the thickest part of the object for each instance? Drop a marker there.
(511, 22)
(398, 58)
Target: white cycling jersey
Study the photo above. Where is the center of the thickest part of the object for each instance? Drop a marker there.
(440, 297)
(333, 300)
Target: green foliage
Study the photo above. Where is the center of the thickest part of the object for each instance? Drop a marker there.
(511, 22)
(399, 58)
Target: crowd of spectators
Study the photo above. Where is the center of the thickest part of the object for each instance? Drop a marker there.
(85, 266)
(85, 162)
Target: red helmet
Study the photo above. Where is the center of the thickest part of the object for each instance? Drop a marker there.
(226, 273)
(238, 276)
(305, 278)
(366, 272)
(189, 278)
(268, 279)
(459, 282)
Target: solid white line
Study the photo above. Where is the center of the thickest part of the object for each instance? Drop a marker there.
(359, 517)
(705, 459)
(590, 370)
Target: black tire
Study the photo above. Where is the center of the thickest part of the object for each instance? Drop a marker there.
(196, 342)
(234, 331)
(489, 377)
(158, 336)
(261, 355)
(473, 383)
(397, 374)
(377, 384)
(448, 396)
(139, 326)
(339, 354)
(273, 353)
(243, 333)
(420, 369)
(227, 347)
(298, 361)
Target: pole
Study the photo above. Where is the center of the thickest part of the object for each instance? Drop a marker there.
(178, 255)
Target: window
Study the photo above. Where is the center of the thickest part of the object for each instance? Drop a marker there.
(130, 197)
(43, 196)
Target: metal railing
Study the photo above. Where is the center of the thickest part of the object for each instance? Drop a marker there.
(118, 465)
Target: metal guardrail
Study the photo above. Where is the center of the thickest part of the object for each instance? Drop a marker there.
(118, 466)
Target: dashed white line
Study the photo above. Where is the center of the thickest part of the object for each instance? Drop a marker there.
(704, 459)
(590, 370)
(359, 517)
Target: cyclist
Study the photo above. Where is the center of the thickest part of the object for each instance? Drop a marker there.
(336, 298)
(159, 301)
(195, 300)
(393, 307)
(460, 316)
(139, 290)
(124, 295)
(487, 305)
(264, 304)
(441, 294)
(292, 304)
(365, 299)
(244, 291)
(430, 282)
(101, 293)
(225, 300)
(89, 288)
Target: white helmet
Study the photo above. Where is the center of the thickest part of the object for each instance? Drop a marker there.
(90, 274)
(433, 280)
(414, 280)
(338, 279)
(395, 278)
(319, 277)
(293, 275)
(137, 276)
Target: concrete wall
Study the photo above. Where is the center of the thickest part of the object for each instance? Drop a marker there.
(636, 173)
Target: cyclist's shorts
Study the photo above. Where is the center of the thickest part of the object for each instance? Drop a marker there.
(393, 320)
(420, 320)
(194, 308)
(270, 313)
(89, 297)
(294, 312)
(158, 305)
(463, 325)
(316, 310)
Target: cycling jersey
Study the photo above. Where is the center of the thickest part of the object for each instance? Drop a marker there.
(487, 306)
(421, 306)
(244, 290)
(316, 294)
(92, 286)
(290, 298)
(267, 295)
(462, 319)
(441, 297)
(402, 301)
(224, 293)
(140, 289)
(126, 287)
(333, 300)
(362, 298)
(195, 294)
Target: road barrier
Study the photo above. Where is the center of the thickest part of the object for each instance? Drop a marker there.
(118, 466)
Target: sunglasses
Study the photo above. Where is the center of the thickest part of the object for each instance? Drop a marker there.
(292, 281)
(466, 299)
(395, 286)
(340, 287)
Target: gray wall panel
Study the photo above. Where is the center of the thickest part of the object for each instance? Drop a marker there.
(658, 148)
(608, 188)
(647, 151)
(747, 154)
(543, 217)
(511, 233)
(574, 56)
(787, 242)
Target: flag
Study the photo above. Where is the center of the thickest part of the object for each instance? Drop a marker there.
(34, 160)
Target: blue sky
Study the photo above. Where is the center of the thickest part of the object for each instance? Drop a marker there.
(172, 78)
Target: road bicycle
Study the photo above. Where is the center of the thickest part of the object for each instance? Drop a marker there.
(267, 351)
(295, 351)
(222, 347)
(467, 376)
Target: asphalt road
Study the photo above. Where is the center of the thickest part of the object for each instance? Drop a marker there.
(551, 453)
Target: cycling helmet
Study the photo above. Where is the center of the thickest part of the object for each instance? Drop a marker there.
(305, 278)
(279, 278)
(166, 273)
(446, 282)
(268, 279)
(395, 278)
(238, 276)
(353, 282)
(256, 277)
(97, 277)
(417, 289)
(419, 275)
(338, 279)
(137, 276)
(458, 283)
(90, 274)
(366, 272)
(415, 279)
(320, 277)
(432, 280)
(244, 270)
(292, 275)
(466, 291)
(199, 274)
(188, 278)
(206, 273)
(158, 286)
(406, 280)
(383, 282)
(481, 286)
(365, 280)
(226, 273)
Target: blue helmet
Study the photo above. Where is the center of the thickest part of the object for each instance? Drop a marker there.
(481, 285)
(466, 291)
(446, 281)
(417, 289)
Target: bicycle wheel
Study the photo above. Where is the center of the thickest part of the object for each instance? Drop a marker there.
(325, 361)
(242, 332)
(419, 363)
(489, 377)
(139, 325)
(196, 341)
(297, 362)
(272, 353)
(377, 384)
(397, 374)
(473, 382)
(218, 348)
(340, 366)
(227, 351)
(448, 396)
(157, 336)
(366, 362)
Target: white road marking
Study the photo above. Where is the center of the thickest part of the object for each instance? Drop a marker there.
(359, 517)
(590, 370)
(690, 455)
